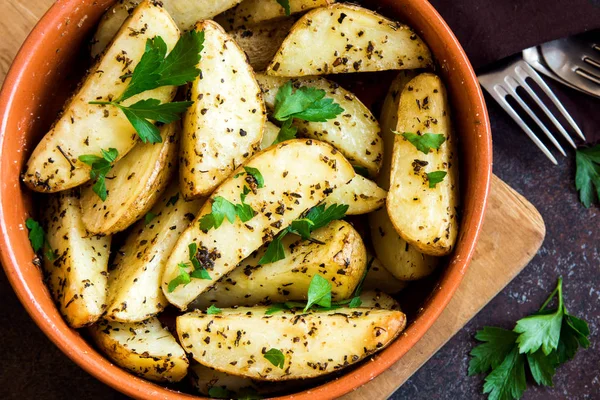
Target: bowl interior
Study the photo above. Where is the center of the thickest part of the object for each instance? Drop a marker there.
(46, 71)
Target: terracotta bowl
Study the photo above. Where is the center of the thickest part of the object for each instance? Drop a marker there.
(36, 87)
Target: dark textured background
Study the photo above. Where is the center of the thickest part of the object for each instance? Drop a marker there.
(32, 367)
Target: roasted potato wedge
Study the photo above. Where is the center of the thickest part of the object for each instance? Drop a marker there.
(144, 348)
(261, 42)
(378, 277)
(269, 135)
(345, 38)
(184, 13)
(134, 184)
(298, 174)
(134, 284)
(207, 381)
(77, 275)
(85, 128)
(401, 259)
(341, 259)
(224, 125)
(252, 12)
(355, 132)
(362, 195)
(425, 216)
(313, 344)
(378, 299)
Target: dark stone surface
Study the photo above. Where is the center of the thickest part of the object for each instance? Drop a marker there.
(33, 368)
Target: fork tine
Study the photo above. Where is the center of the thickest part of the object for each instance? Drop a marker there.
(522, 79)
(512, 86)
(538, 79)
(499, 94)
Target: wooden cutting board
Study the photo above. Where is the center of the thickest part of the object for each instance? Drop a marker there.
(512, 233)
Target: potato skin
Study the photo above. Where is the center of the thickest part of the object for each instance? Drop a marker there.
(355, 132)
(224, 126)
(144, 348)
(425, 217)
(134, 283)
(362, 40)
(402, 260)
(298, 174)
(313, 343)
(341, 260)
(134, 184)
(77, 277)
(85, 128)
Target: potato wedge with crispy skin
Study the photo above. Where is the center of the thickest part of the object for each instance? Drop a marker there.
(224, 125)
(134, 283)
(361, 195)
(184, 13)
(340, 258)
(252, 12)
(261, 42)
(269, 135)
(144, 348)
(355, 132)
(298, 175)
(134, 184)
(313, 344)
(423, 215)
(404, 261)
(380, 278)
(77, 277)
(345, 38)
(85, 128)
(206, 380)
(378, 299)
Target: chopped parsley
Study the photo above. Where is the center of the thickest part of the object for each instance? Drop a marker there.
(286, 6)
(101, 166)
(213, 310)
(223, 208)
(275, 357)
(198, 271)
(149, 217)
(319, 293)
(587, 177)
(38, 239)
(542, 341)
(157, 69)
(425, 142)
(435, 177)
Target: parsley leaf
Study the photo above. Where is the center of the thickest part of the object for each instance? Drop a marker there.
(275, 250)
(435, 177)
(223, 208)
(322, 217)
(588, 174)
(275, 357)
(355, 302)
(545, 339)
(182, 279)
(286, 132)
(275, 308)
(100, 168)
(362, 171)
(319, 292)
(37, 237)
(286, 6)
(173, 200)
(219, 392)
(424, 143)
(255, 173)
(213, 310)
(149, 217)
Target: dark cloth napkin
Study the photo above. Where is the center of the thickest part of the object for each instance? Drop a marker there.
(490, 30)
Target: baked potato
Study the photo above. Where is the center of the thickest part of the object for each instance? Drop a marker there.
(355, 132)
(184, 13)
(85, 128)
(362, 40)
(361, 195)
(224, 126)
(261, 42)
(144, 348)
(379, 278)
(252, 12)
(134, 184)
(134, 283)
(424, 211)
(76, 275)
(335, 252)
(298, 175)
(241, 341)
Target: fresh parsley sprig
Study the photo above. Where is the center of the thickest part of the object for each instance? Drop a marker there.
(275, 357)
(157, 69)
(213, 310)
(587, 176)
(317, 217)
(304, 103)
(435, 177)
(184, 277)
(542, 341)
(223, 208)
(101, 166)
(425, 142)
(38, 239)
(286, 6)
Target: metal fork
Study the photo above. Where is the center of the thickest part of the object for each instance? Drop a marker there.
(505, 82)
